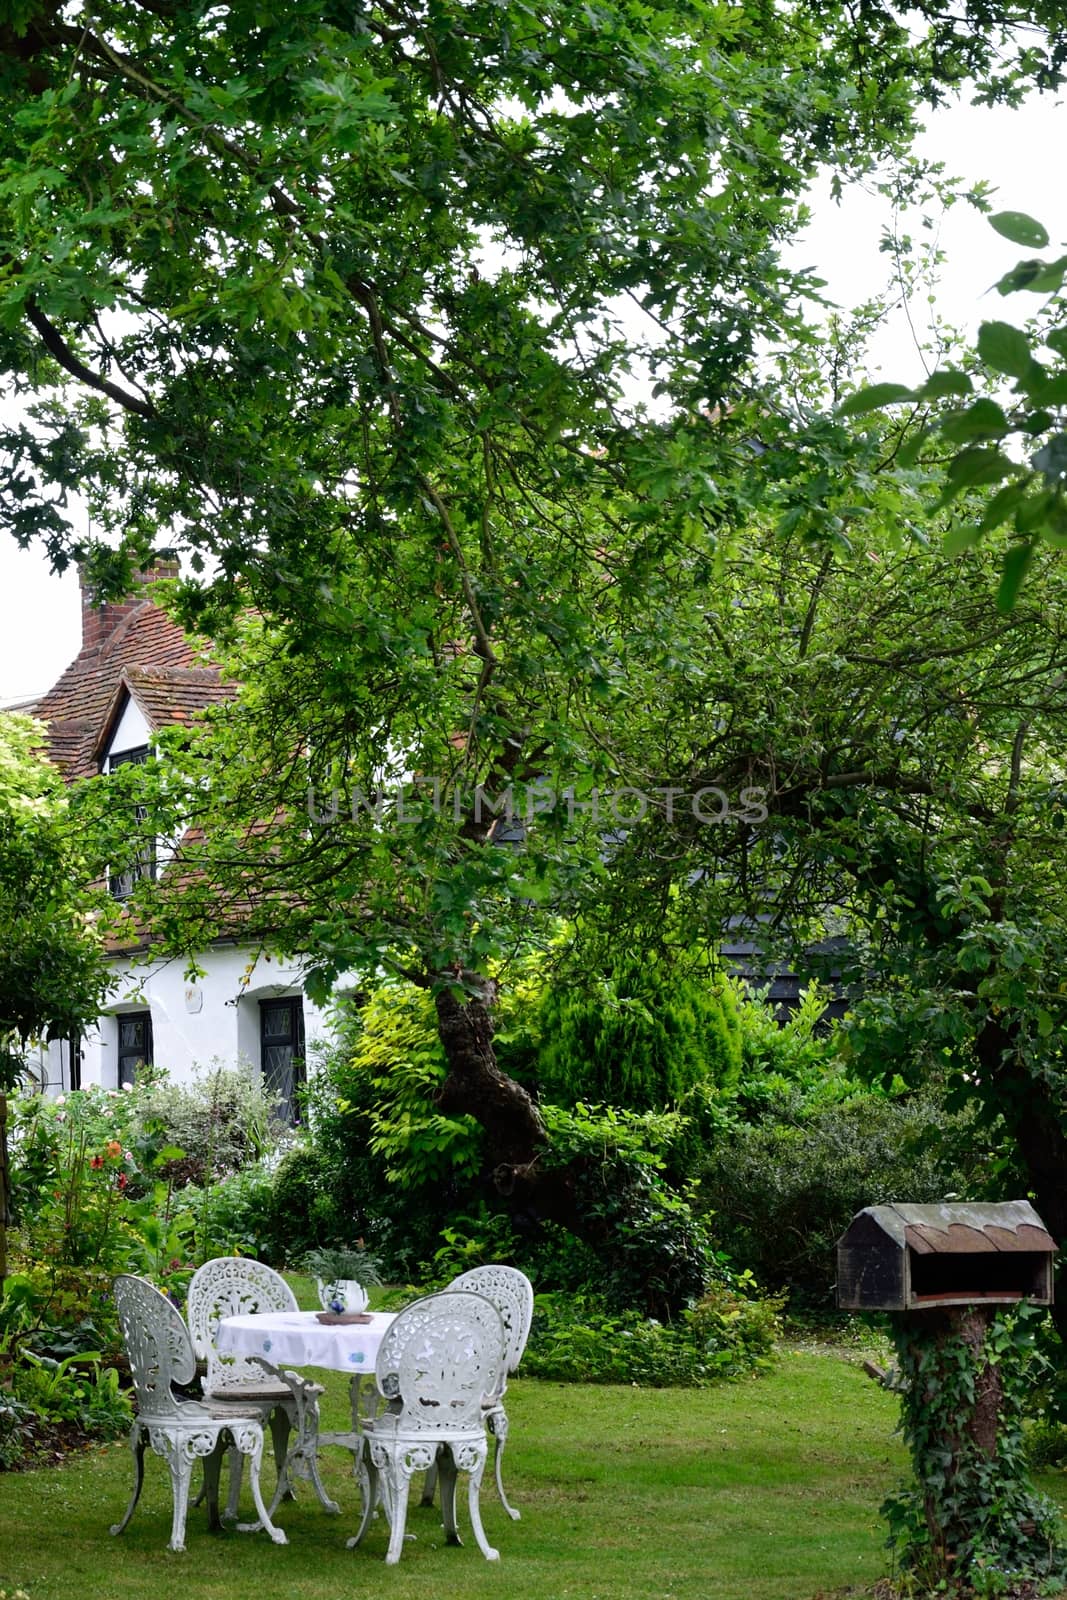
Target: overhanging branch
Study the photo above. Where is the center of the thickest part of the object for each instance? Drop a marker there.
(57, 346)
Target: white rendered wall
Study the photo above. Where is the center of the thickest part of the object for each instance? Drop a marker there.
(194, 1023)
(131, 731)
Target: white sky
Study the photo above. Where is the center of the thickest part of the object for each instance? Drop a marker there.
(1014, 150)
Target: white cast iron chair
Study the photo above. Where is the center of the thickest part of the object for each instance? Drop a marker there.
(182, 1431)
(438, 1359)
(231, 1286)
(512, 1293)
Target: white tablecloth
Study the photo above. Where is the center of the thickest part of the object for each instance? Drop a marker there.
(299, 1339)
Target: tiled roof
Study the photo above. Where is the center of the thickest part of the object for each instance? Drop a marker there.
(146, 655)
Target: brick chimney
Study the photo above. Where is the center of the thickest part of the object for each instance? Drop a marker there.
(99, 620)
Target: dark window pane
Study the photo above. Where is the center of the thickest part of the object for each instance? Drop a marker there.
(282, 1052)
(135, 1045)
(122, 880)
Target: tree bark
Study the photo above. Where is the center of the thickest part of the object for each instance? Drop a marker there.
(475, 1084)
(516, 1135)
(1036, 1123)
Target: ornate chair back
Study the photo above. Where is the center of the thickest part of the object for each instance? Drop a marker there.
(157, 1344)
(232, 1286)
(438, 1359)
(512, 1293)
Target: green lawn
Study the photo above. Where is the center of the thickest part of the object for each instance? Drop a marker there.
(763, 1490)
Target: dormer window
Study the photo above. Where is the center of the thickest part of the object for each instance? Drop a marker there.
(122, 882)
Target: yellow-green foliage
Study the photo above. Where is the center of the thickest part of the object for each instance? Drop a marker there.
(396, 1067)
(640, 1036)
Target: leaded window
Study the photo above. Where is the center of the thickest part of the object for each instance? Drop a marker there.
(281, 1033)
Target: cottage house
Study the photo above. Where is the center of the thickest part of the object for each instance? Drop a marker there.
(135, 673)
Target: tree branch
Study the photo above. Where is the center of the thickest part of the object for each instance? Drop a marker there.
(57, 346)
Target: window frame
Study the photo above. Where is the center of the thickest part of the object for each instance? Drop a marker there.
(144, 1056)
(144, 865)
(286, 1105)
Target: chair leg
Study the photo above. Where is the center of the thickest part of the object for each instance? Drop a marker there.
(249, 1441)
(279, 1437)
(498, 1427)
(181, 1471)
(210, 1488)
(369, 1488)
(399, 1490)
(137, 1446)
(235, 1462)
(446, 1467)
(476, 1511)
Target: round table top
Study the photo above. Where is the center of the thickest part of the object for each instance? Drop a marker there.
(299, 1339)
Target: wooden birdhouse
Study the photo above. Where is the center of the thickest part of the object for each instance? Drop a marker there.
(907, 1258)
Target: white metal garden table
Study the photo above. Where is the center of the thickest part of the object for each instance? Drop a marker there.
(298, 1339)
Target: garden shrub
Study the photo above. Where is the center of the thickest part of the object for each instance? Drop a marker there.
(394, 1068)
(471, 1241)
(639, 1034)
(574, 1339)
(381, 1162)
(308, 1203)
(796, 1056)
(220, 1122)
(17, 1431)
(783, 1191)
(649, 1249)
(76, 1389)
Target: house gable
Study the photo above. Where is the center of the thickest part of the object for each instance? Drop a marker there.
(132, 655)
(125, 726)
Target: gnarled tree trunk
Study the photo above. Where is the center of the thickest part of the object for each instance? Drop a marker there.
(1038, 1124)
(516, 1135)
(475, 1084)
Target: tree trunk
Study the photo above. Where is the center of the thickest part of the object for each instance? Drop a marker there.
(954, 1337)
(517, 1138)
(476, 1085)
(1036, 1122)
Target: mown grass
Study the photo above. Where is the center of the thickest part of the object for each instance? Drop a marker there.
(762, 1490)
(767, 1489)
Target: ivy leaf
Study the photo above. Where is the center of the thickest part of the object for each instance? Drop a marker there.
(1004, 348)
(874, 398)
(1020, 229)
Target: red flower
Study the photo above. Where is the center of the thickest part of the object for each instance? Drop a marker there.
(97, 1161)
(122, 1180)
